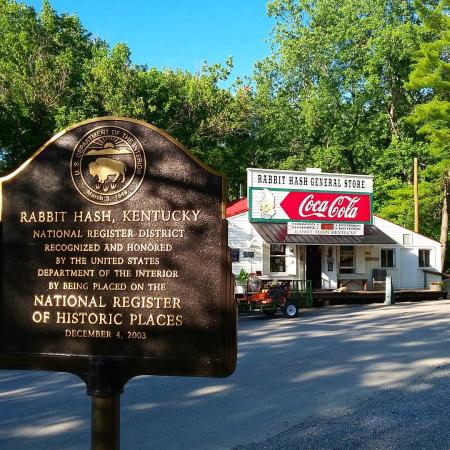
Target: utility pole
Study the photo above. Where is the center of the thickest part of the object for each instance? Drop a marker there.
(416, 195)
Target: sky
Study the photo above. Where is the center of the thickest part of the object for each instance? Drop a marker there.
(176, 33)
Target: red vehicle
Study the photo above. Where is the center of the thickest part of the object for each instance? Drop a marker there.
(268, 296)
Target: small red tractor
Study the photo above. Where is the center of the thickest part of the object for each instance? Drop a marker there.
(269, 296)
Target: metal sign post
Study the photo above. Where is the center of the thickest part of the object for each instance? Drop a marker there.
(105, 387)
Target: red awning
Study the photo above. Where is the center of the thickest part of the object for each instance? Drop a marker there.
(237, 207)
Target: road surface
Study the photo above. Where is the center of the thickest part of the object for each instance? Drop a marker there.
(337, 377)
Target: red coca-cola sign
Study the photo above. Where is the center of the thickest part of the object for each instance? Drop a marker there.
(327, 207)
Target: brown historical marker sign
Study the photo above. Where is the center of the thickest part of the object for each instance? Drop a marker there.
(114, 247)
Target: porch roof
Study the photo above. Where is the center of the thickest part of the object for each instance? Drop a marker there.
(273, 233)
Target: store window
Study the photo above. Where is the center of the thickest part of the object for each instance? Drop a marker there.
(388, 257)
(347, 259)
(424, 257)
(277, 258)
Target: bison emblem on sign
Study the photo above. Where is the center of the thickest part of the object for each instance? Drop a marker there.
(108, 165)
(102, 168)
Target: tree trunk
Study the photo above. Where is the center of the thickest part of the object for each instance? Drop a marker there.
(444, 223)
(392, 116)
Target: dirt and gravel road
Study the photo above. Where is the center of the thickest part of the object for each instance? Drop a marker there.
(350, 377)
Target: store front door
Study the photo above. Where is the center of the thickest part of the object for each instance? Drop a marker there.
(314, 265)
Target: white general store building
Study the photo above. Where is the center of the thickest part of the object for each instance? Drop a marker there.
(318, 226)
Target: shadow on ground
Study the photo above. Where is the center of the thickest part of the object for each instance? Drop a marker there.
(413, 417)
(289, 372)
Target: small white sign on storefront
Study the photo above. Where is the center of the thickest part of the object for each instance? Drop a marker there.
(326, 229)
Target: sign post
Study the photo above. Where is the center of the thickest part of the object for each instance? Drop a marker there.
(115, 263)
(105, 389)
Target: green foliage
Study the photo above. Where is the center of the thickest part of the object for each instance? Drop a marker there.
(339, 66)
(393, 170)
(430, 83)
(431, 76)
(53, 73)
(398, 202)
(41, 56)
(335, 93)
(243, 276)
(337, 79)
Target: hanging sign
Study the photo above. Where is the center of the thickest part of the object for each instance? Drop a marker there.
(281, 196)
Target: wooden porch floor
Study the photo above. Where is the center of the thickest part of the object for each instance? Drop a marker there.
(327, 297)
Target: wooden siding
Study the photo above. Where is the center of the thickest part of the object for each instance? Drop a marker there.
(406, 274)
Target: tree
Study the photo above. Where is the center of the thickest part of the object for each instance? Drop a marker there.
(334, 95)
(339, 67)
(430, 76)
(430, 79)
(53, 73)
(41, 56)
